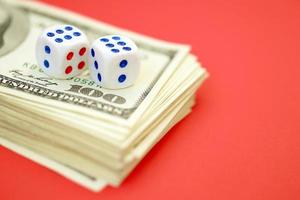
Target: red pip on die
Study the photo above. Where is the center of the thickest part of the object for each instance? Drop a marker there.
(61, 51)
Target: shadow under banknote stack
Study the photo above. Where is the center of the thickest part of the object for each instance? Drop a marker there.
(91, 135)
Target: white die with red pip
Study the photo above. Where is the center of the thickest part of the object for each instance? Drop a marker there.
(114, 61)
(61, 51)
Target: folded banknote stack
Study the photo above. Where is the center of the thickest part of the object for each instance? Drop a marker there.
(86, 133)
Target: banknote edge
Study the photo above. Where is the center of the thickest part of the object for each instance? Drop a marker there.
(65, 171)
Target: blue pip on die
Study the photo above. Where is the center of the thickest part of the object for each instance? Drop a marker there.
(61, 51)
(114, 61)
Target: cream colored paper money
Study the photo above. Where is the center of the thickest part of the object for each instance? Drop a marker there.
(132, 120)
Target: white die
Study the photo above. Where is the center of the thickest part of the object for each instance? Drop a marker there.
(61, 51)
(114, 62)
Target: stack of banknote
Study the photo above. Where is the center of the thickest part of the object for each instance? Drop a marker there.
(86, 133)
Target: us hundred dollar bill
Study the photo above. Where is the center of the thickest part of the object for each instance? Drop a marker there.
(21, 76)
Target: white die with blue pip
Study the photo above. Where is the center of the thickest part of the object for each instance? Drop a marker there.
(114, 61)
(61, 51)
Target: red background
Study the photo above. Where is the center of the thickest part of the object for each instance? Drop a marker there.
(242, 139)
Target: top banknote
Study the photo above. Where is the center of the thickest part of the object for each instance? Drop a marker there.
(21, 76)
